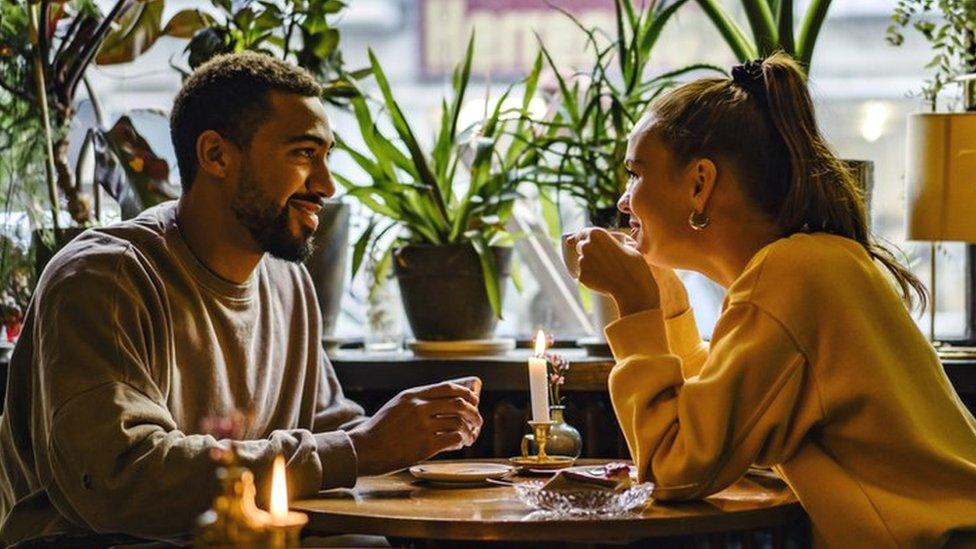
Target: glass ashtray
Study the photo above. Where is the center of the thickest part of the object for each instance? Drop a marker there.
(583, 502)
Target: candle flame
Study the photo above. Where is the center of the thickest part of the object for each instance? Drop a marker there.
(279, 489)
(540, 343)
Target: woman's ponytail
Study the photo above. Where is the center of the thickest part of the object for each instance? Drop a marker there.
(762, 120)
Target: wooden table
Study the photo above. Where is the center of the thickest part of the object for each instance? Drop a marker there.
(399, 506)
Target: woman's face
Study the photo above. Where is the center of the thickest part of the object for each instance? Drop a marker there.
(658, 200)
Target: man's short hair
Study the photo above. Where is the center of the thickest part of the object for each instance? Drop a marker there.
(229, 95)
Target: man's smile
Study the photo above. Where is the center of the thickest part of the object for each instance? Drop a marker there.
(308, 208)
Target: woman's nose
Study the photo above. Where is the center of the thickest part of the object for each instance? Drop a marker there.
(624, 203)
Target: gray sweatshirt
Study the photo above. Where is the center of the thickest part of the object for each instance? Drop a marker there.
(128, 344)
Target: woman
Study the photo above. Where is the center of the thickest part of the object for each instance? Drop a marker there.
(815, 367)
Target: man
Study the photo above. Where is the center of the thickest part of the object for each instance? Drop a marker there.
(141, 330)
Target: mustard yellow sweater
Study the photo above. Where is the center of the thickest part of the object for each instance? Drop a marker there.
(817, 369)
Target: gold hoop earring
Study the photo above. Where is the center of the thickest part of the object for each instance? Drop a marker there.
(698, 220)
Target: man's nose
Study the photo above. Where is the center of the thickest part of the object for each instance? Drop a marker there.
(321, 181)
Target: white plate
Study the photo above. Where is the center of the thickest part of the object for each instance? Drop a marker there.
(460, 473)
(466, 347)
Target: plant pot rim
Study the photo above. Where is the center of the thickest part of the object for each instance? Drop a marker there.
(454, 245)
(942, 114)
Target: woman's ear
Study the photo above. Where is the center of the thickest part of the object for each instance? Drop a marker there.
(213, 154)
(705, 175)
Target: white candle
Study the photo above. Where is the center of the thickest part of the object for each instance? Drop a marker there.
(539, 380)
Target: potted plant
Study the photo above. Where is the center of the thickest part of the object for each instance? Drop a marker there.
(45, 50)
(953, 41)
(449, 204)
(296, 31)
(586, 140)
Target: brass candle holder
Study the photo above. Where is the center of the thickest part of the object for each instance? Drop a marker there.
(541, 460)
(541, 430)
(286, 531)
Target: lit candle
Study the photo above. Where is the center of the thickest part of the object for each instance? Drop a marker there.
(284, 526)
(539, 380)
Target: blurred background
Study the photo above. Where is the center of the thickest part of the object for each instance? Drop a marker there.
(863, 87)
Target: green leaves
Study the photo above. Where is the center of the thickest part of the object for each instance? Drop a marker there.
(418, 190)
(581, 150)
(771, 23)
(950, 36)
(139, 28)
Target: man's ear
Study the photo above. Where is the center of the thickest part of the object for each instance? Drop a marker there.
(705, 175)
(214, 154)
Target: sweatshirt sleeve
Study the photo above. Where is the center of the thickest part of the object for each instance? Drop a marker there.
(335, 415)
(685, 342)
(694, 436)
(111, 455)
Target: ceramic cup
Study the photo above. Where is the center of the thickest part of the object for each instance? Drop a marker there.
(571, 257)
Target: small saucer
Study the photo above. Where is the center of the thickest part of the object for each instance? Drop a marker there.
(552, 464)
(460, 474)
(478, 347)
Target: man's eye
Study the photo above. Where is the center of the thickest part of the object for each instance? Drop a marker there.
(307, 153)
(631, 175)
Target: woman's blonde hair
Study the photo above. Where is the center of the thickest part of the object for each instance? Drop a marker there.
(762, 122)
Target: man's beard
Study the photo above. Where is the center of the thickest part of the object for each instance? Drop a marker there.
(267, 223)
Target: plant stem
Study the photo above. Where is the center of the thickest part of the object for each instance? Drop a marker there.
(809, 30)
(89, 50)
(762, 25)
(42, 99)
(287, 48)
(729, 30)
(96, 104)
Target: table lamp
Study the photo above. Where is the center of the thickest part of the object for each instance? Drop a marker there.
(941, 195)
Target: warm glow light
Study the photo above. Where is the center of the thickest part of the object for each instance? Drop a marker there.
(875, 115)
(279, 489)
(540, 343)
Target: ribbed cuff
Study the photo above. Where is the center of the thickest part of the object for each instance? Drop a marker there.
(683, 337)
(340, 466)
(639, 333)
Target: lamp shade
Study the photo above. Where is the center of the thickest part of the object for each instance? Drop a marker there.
(941, 177)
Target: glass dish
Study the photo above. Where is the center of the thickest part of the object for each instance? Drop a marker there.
(583, 502)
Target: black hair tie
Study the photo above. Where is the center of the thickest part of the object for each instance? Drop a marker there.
(749, 76)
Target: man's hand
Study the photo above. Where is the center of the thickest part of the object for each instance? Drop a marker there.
(418, 424)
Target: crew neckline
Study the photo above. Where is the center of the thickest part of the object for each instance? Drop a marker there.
(206, 277)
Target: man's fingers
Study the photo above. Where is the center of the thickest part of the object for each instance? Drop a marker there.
(454, 423)
(447, 390)
(461, 409)
(448, 441)
(473, 383)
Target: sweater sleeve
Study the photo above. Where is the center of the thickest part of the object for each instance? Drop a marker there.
(694, 436)
(334, 416)
(685, 342)
(111, 455)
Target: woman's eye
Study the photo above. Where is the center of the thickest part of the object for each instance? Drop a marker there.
(631, 175)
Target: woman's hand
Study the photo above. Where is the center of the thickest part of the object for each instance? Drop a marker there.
(674, 296)
(611, 267)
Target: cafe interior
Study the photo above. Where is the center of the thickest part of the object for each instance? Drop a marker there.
(488, 273)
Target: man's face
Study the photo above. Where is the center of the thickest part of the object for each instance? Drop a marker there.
(283, 177)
